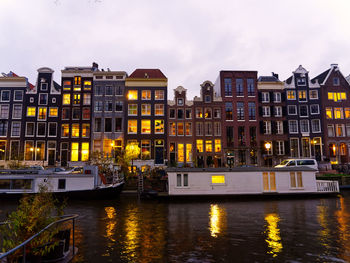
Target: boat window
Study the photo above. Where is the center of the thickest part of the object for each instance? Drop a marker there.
(291, 163)
(5, 184)
(21, 184)
(62, 184)
(218, 179)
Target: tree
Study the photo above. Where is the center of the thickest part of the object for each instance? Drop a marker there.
(132, 151)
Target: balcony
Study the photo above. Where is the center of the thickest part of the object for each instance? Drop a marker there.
(327, 186)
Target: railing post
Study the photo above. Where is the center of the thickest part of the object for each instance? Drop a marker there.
(24, 254)
(73, 236)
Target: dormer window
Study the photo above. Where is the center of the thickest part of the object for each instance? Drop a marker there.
(301, 82)
(44, 86)
(336, 81)
(207, 98)
(180, 102)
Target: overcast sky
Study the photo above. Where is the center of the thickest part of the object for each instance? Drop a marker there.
(190, 41)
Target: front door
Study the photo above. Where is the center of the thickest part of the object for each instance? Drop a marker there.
(159, 158)
(52, 157)
(64, 158)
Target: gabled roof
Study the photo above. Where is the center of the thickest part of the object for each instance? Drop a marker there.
(322, 77)
(268, 79)
(348, 78)
(289, 80)
(147, 74)
(56, 86)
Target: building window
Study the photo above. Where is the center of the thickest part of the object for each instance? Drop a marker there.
(199, 113)
(172, 129)
(76, 113)
(65, 113)
(338, 113)
(98, 125)
(108, 125)
(217, 113)
(217, 145)
(86, 114)
(208, 129)
(337, 96)
(75, 130)
(172, 114)
(5, 111)
(3, 128)
(159, 109)
(208, 146)
(265, 97)
(109, 91)
(18, 95)
(347, 113)
(180, 128)
(266, 111)
(87, 85)
(132, 109)
(330, 130)
(228, 86)
(294, 147)
(180, 114)
(42, 113)
(85, 130)
(67, 85)
(41, 129)
(336, 82)
(293, 126)
(291, 95)
(98, 91)
(240, 111)
(277, 97)
(28, 151)
(108, 105)
(159, 126)
(313, 94)
(132, 126)
(302, 95)
(314, 109)
(132, 95)
(280, 147)
(75, 152)
(279, 127)
(146, 95)
(52, 129)
(251, 110)
(241, 136)
(145, 149)
(118, 124)
(159, 95)
(188, 113)
(17, 111)
(77, 81)
(251, 87)
(180, 153)
(188, 152)
(303, 111)
(239, 87)
(340, 130)
(66, 99)
(76, 99)
(199, 144)
(267, 127)
(292, 110)
(53, 112)
(87, 99)
(199, 128)
(316, 125)
(217, 129)
(43, 98)
(329, 113)
(16, 129)
(301, 81)
(305, 147)
(304, 126)
(207, 113)
(65, 130)
(30, 129)
(145, 109)
(180, 102)
(188, 126)
(5, 95)
(118, 105)
(118, 91)
(207, 98)
(278, 111)
(40, 150)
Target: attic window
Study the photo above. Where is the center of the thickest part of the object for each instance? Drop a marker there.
(44, 86)
(336, 81)
(99, 77)
(301, 81)
(109, 77)
(146, 76)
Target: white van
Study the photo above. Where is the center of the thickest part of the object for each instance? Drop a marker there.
(312, 163)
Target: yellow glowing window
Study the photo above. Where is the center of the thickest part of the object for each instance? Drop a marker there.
(159, 95)
(145, 126)
(85, 131)
(67, 85)
(159, 109)
(66, 99)
(77, 80)
(188, 128)
(75, 152)
(188, 152)
(76, 98)
(180, 152)
(343, 96)
(180, 128)
(217, 146)
(146, 94)
(338, 113)
(302, 95)
(330, 95)
(172, 129)
(145, 109)
(75, 130)
(200, 146)
(347, 113)
(87, 85)
(132, 126)
(132, 95)
(159, 126)
(42, 114)
(329, 113)
(31, 111)
(291, 94)
(218, 179)
(84, 151)
(53, 112)
(208, 146)
(65, 130)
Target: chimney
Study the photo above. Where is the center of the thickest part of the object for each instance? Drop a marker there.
(275, 75)
(334, 65)
(94, 66)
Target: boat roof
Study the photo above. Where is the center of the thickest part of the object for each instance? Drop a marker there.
(239, 169)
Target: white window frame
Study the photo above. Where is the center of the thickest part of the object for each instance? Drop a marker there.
(275, 96)
(26, 131)
(48, 129)
(266, 111)
(295, 107)
(278, 113)
(289, 125)
(310, 92)
(13, 111)
(14, 97)
(9, 91)
(265, 97)
(301, 126)
(12, 124)
(307, 111)
(318, 109)
(279, 127)
(319, 125)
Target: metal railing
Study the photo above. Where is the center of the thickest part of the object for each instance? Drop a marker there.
(64, 218)
(327, 186)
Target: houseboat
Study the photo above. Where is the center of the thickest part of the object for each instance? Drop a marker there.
(247, 181)
(88, 184)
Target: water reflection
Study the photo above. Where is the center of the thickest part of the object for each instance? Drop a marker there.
(324, 232)
(217, 216)
(273, 239)
(131, 230)
(343, 218)
(111, 223)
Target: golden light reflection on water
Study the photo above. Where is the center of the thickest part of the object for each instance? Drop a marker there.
(323, 233)
(111, 223)
(218, 219)
(273, 234)
(343, 218)
(131, 236)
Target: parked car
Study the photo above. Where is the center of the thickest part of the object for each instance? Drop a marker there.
(55, 169)
(311, 163)
(36, 167)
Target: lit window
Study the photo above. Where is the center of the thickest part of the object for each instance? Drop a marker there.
(31, 111)
(87, 85)
(145, 149)
(159, 126)
(42, 113)
(146, 94)
(84, 151)
(208, 146)
(87, 99)
(329, 113)
(66, 99)
(180, 128)
(132, 95)
(188, 126)
(217, 146)
(331, 95)
(85, 131)
(188, 152)
(145, 126)
(218, 179)
(200, 146)
(75, 152)
(159, 95)
(338, 113)
(145, 109)
(75, 130)
(76, 98)
(347, 113)
(132, 126)
(302, 95)
(65, 130)
(172, 129)
(291, 95)
(53, 112)
(67, 85)
(132, 109)
(180, 153)
(159, 109)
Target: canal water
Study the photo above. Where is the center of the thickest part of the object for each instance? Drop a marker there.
(287, 230)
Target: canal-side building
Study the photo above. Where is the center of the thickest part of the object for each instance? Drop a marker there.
(208, 127)
(12, 90)
(303, 99)
(146, 115)
(75, 137)
(240, 134)
(180, 123)
(41, 119)
(335, 110)
(108, 114)
(273, 126)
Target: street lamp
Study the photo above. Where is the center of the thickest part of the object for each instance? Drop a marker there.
(268, 147)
